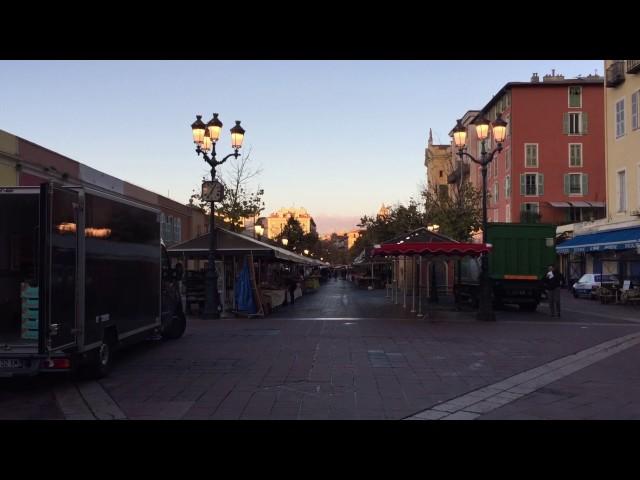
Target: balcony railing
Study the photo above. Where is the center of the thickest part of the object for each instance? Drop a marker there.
(633, 66)
(454, 176)
(615, 74)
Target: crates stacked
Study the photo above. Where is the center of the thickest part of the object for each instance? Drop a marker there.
(29, 296)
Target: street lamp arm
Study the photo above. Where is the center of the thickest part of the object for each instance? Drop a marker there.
(211, 160)
(487, 157)
(462, 153)
(234, 154)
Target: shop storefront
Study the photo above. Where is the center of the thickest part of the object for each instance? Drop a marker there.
(610, 252)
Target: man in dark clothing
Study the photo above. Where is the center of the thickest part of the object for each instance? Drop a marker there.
(292, 284)
(552, 282)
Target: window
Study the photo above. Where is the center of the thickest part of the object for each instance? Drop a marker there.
(507, 160)
(443, 191)
(507, 214)
(575, 97)
(622, 191)
(507, 186)
(575, 154)
(575, 184)
(495, 167)
(531, 155)
(620, 118)
(495, 193)
(531, 207)
(575, 123)
(440, 173)
(532, 184)
(635, 121)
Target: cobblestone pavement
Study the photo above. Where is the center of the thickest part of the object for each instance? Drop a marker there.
(344, 353)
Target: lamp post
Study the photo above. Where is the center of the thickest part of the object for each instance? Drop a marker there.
(499, 127)
(205, 136)
(285, 241)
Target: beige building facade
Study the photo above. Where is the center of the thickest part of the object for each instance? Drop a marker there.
(622, 127)
(274, 224)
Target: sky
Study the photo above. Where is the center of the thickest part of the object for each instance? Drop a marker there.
(336, 137)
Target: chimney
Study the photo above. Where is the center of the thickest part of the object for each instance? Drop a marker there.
(553, 77)
(535, 78)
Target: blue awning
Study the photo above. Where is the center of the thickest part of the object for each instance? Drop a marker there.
(621, 239)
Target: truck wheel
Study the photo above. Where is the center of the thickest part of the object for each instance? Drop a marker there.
(177, 327)
(529, 307)
(102, 357)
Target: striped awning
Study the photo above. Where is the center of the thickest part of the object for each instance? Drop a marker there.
(577, 203)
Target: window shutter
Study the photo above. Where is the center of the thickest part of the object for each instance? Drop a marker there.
(565, 123)
(585, 123)
(522, 185)
(566, 184)
(585, 184)
(540, 184)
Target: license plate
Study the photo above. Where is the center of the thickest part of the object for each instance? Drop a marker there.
(11, 363)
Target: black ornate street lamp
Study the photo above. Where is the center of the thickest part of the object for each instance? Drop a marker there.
(205, 137)
(499, 126)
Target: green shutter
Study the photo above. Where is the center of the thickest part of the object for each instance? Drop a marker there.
(566, 184)
(540, 184)
(585, 123)
(585, 184)
(522, 185)
(565, 123)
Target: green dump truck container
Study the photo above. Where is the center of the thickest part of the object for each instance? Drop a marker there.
(517, 264)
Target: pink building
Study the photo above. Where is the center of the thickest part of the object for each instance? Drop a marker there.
(552, 167)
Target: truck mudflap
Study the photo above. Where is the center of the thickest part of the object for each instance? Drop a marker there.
(31, 365)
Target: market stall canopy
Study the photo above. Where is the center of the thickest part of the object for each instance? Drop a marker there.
(423, 241)
(620, 239)
(433, 248)
(232, 243)
(366, 258)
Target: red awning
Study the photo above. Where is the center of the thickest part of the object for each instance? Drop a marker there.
(433, 248)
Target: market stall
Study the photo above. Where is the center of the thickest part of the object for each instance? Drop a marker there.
(272, 267)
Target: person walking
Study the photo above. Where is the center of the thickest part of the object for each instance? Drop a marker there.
(292, 285)
(552, 282)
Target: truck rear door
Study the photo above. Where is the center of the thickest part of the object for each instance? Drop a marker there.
(62, 228)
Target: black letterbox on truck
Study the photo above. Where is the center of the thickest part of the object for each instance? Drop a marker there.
(518, 261)
(81, 273)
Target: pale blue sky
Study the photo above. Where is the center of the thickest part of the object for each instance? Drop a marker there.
(337, 137)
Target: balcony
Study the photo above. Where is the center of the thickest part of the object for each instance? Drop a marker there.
(454, 176)
(633, 66)
(615, 74)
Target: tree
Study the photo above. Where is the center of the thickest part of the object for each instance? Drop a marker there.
(294, 233)
(401, 219)
(239, 201)
(458, 211)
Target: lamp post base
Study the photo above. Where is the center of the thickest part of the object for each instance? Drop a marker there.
(486, 316)
(210, 315)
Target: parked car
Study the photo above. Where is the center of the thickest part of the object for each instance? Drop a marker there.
(586, 285)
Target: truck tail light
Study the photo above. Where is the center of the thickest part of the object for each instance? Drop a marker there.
(57, 363)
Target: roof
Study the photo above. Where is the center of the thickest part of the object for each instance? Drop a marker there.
(232, 243)
(433, 249)
(419, 235)
(552, 83)
(620, 239)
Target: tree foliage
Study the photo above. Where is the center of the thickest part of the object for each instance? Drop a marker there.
(401, 219)
(239, 200)
(458, 210)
